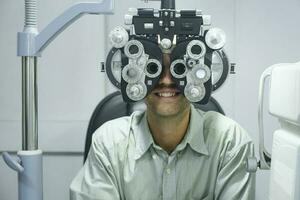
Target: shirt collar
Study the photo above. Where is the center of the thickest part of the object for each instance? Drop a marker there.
(194, 136)
(142, 134)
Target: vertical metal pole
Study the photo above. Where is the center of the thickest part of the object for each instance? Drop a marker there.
(167, 4)
(31, 178)
(29, 103)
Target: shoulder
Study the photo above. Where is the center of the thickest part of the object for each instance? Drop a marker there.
(115, 132)
(217, 121)
(224, 131)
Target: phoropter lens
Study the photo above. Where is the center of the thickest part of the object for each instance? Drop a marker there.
(153, 68)
(178, 68)
(196, 49)
(133, 49)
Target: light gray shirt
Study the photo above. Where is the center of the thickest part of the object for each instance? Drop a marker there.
(125, 163)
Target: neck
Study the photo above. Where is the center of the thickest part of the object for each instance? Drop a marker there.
(168, 131)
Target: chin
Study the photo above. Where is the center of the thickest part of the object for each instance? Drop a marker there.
(167, 108)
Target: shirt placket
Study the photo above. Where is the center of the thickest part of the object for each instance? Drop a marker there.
(169, 179)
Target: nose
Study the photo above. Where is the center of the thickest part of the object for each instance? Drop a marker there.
(166, 77)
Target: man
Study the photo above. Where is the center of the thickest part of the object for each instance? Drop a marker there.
(171, 151)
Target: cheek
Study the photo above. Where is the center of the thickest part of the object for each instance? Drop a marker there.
(148, 99)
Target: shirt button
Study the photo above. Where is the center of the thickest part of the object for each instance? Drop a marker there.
(154, 157)
(168, 171)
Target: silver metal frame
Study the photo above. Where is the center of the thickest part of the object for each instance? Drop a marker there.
(29, 104)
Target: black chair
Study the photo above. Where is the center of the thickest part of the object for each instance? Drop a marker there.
(113, 106)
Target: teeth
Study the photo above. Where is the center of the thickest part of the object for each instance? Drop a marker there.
(166, 94)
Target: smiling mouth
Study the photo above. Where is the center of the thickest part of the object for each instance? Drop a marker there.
(167, 94)
(166, 91)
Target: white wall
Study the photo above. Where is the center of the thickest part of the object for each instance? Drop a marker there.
(70, 85)
(260, 33)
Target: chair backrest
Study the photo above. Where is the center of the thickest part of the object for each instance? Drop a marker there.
(113, 106)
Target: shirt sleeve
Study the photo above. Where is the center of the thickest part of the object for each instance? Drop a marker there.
(233, 181)
(96, 180)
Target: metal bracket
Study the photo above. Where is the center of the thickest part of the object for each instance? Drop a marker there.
(14, 164)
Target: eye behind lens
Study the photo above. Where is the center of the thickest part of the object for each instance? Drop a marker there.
(153, 68)
(178, 68)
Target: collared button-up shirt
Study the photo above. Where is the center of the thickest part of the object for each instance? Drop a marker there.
(124, 162)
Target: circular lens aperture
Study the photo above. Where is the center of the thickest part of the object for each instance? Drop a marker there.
(196, 49)
(153, 68)
(133, 49)
(178, 68)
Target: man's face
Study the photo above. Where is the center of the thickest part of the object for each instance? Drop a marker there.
(165, 100)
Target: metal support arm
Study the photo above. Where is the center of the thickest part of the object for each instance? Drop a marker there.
(32, 44)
